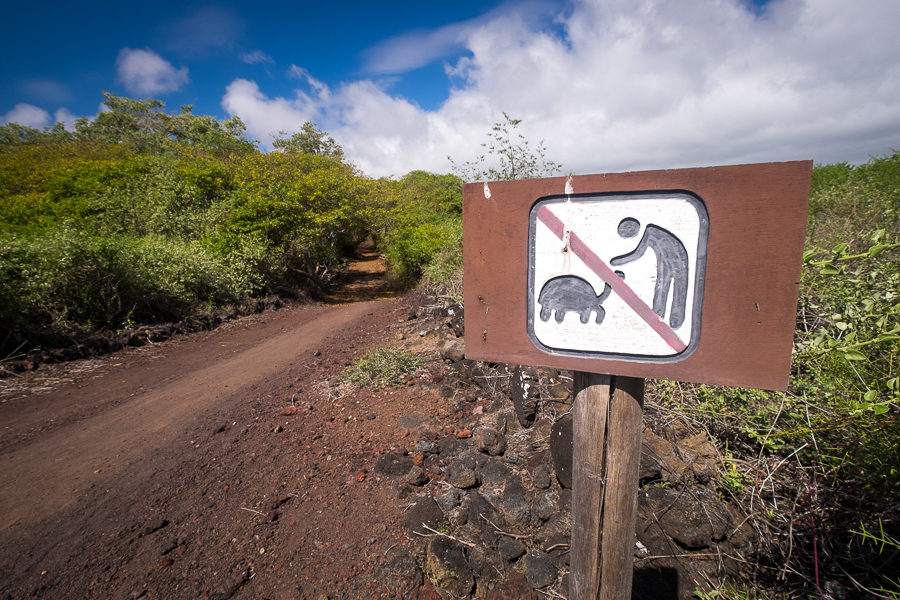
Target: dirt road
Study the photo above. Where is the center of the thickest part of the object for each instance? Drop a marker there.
(171, 471)
(145, 410)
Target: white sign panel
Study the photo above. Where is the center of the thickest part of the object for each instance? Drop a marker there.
(617, 276)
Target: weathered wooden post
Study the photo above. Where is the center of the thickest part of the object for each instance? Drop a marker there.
(605, 468)
(685, 274)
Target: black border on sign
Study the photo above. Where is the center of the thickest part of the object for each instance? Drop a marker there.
(699, 273)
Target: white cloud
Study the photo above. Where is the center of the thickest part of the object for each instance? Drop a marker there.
(320, 89)
(33, 116)
(414, 49)
(263, 116)
(256, 57)
(146, 72)
(27, 115)
(65, 116)
(628, 84)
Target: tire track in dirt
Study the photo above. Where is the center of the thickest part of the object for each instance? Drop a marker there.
(44, 475)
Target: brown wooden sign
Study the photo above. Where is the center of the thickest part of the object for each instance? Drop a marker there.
(687, 274)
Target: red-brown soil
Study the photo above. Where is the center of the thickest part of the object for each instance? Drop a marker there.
(171, 470)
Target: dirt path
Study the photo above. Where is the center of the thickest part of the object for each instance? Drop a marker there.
(171, 471)
(144, 411)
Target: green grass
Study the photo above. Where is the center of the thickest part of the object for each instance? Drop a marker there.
(383, 367)
(728, 592)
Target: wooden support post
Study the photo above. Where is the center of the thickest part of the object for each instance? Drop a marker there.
(606, 460)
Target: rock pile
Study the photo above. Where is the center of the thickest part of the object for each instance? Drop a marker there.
(488, 501)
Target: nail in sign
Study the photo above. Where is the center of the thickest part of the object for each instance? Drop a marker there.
(617, 276)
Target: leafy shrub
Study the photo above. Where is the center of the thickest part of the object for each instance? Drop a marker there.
(305, 208)
(846, 357)
(141, 215)
(842, 410)
(849, 204)
(410, 246)
(424, 221)
(166, 278)
(832, 442)
(55, 283)
(66, 281)
(444, 271)
(29, 173)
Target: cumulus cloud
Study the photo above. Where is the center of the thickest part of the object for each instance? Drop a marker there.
(27, 115)
(65, 116)
(263, 116)
(146, 72)
(414, 49)
(317, 87)
(256, 57)
(38, 118)
(627, 84)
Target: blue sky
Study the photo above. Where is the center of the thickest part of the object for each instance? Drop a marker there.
(609, 85)
(216, 41)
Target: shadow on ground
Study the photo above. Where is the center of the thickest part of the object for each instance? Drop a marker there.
(655, 584)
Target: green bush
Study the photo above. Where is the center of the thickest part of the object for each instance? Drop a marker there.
(422, 224)
(306, 208)
(444, 271)
(57, 283)
(826, 454)
(167, 277)
(849, 204)
(410, 246)
(143, 215)
(846, 358)
(67, 282)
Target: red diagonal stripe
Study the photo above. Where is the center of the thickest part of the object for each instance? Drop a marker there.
(595, 264)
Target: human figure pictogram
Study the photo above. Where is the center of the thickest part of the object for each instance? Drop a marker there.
(671, 266)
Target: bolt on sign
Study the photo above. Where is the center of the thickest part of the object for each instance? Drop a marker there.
(688, 274)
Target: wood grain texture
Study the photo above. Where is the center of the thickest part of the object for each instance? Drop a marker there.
(606, 420)
(589, 417)
(757, 221)
(623, 462)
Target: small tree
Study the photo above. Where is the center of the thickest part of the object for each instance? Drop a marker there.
(309, 140)
(517, 160)
(146, 127)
